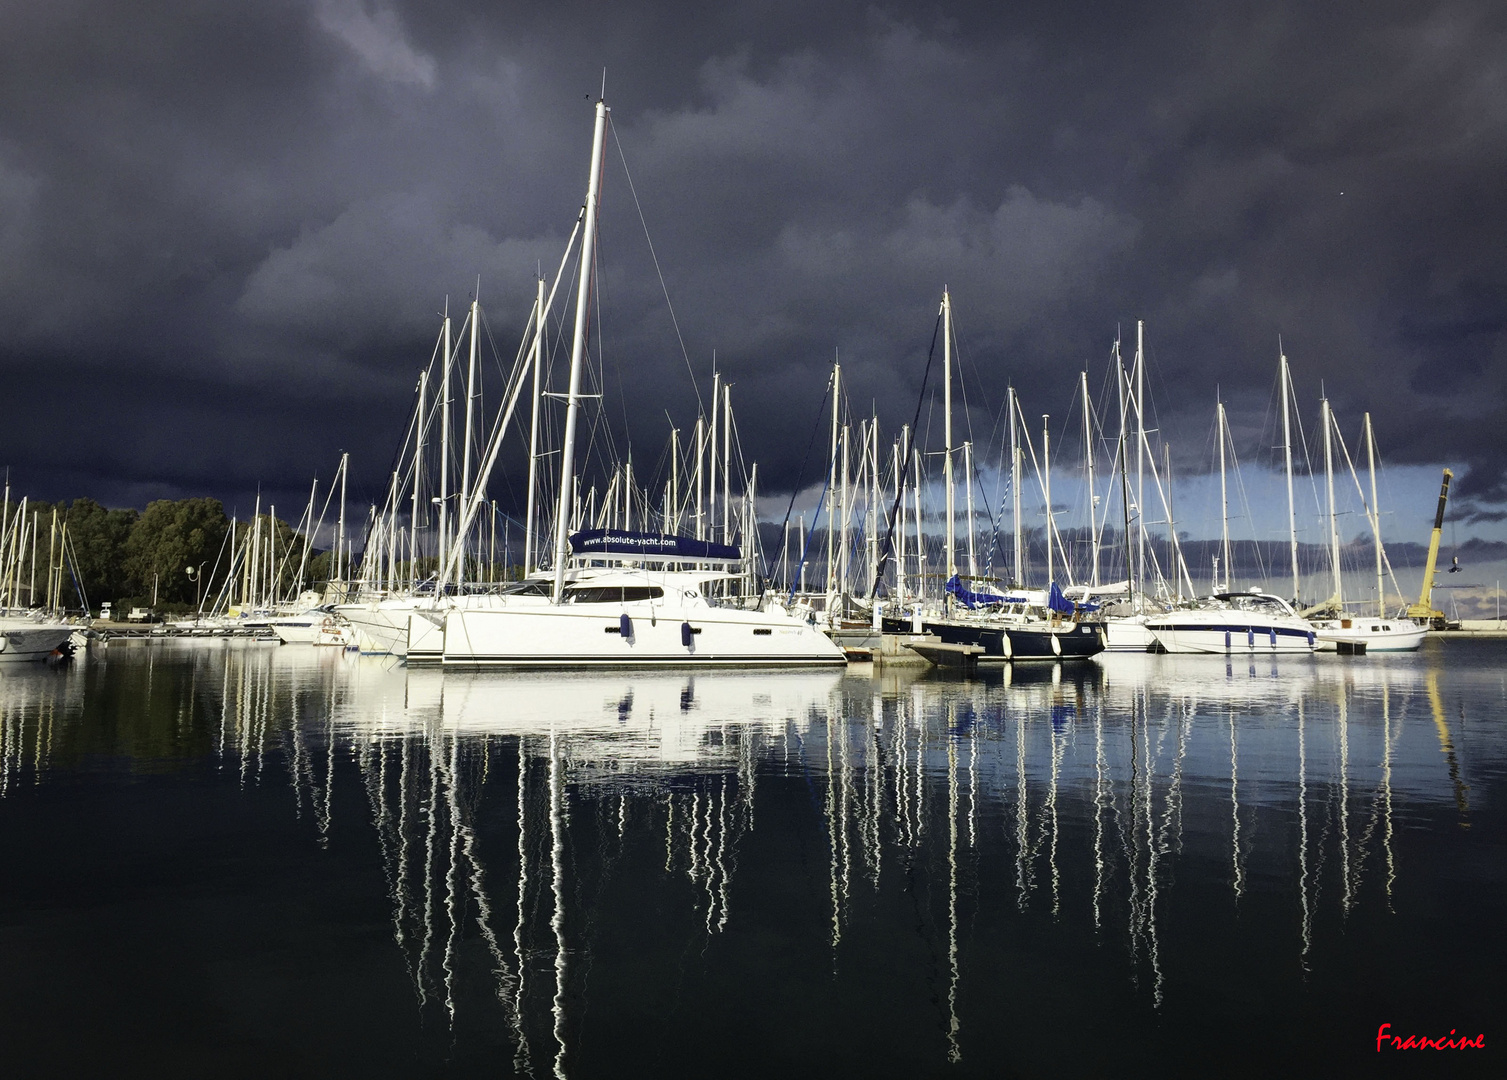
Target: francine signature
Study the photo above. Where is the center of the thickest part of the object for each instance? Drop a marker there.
(1424, 1042)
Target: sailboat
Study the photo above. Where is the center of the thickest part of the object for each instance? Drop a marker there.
(1343, 632)
(615, 597)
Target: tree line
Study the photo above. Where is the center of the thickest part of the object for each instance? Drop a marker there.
(171, 555)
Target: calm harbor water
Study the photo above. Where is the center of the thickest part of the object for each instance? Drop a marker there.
(243, 860)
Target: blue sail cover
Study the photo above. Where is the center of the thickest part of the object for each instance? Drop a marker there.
(970, 599)
(1060, 603)
(629, 545)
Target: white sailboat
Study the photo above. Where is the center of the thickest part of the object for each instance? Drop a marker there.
(1345, 632)
(641, 608)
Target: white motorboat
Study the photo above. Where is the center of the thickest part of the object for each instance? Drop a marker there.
(24, 638)
(1232, 622)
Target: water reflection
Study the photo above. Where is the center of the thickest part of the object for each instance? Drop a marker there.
(512, 812)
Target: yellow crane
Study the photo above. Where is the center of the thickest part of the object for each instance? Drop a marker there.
(1423, 612)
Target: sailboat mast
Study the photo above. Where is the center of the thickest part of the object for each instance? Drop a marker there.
(1224, 496)
(530, 560)
(1046, 485)
(672, 511)
(949, 561)
(1140, 453)
(1088, 460)
(444, 549)
(711, 438)
(968, 507)
(1381, 603)
(700, 453)
(577, 355)
(345, 567)
(465, 469)
(832, 484)
(418, 474)
(900, 499)
(727, 462)
(1292, 516)
(1010, 407)
(1334, 533)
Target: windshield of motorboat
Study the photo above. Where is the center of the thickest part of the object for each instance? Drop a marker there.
(1262, 602)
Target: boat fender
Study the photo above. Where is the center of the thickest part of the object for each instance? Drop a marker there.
(1009, 649)
(1273, 631)
(1226, 641)
(685, 635)
(1250, 637)
(1056, 645)
(4, 641)
(1310, 639)
(625, 626)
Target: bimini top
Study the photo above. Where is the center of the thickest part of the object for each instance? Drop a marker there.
(649, 547)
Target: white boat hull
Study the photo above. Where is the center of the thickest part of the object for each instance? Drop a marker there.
(381, 626)
(23, 641)
(1247, 637)
(1377, 635)
(1128, 634)
(589, 635)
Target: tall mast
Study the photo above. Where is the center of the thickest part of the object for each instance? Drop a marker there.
(577, 355)
(1381, 603)
(444, 550)
(672, 523)
(973, 570)
(1224, 496)
(949, 561)
(727, 462)
(920, 536)
(700, 453)
(1334, 533)
(873, 501)
(1046, 472)
(418, 473)
(345, 566)
(530, 560)
(711, 438)
(1292, 515)
(1015, 489)
(900, 499)
(843, 516)
(1140, 453)
(465, 469)
(832, 483)
(1088, 457)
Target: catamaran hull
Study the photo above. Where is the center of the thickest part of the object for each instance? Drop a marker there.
(569, 636)
(1003, 644)
(382, 627)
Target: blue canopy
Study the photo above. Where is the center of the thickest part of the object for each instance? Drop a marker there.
(641, 545)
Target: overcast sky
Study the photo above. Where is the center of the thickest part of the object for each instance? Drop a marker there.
(226, 230)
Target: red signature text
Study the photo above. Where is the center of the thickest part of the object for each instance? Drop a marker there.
(1424, 1042)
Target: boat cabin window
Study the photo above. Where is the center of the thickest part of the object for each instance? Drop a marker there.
(528, 588)
(612, 594)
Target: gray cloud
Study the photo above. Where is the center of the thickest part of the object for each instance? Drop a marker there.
(270, 206)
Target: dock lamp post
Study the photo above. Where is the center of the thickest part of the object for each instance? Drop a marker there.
(196, 575)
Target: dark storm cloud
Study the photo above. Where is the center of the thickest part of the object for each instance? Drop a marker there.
(225, 232)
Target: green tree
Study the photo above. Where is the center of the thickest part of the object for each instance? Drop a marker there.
(97, 548)
(168, 538)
